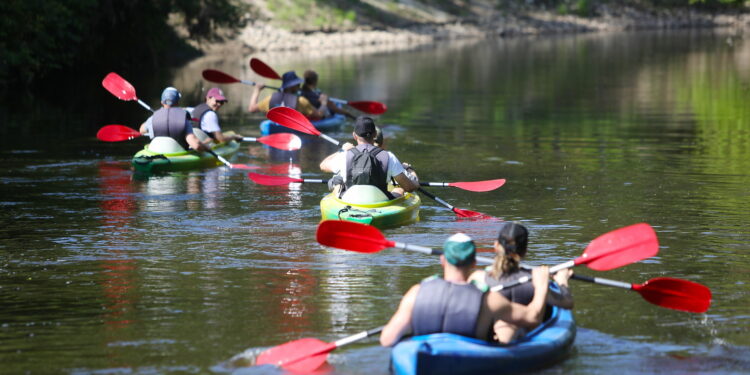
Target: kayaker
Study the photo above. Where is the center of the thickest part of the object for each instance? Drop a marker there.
(288, 97)
(208, 119)
(170, 121)
(311, 92)
(410, 172)
(389, 167)
(510, 249)
(452, 304)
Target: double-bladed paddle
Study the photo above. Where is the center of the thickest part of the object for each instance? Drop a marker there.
(609, 251)
(218, 76)
(282, 141)
(122, 89)
(371, 107)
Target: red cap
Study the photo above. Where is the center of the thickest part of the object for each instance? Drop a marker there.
(216, 93)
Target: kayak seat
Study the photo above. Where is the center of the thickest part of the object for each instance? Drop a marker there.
(165, 145)
(363, 194)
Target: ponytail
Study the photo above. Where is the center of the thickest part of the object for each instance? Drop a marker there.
(513, 239)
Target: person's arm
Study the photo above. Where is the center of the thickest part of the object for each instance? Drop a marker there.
(563, 299)
(406, 183)
(194, 142)
(144, 127)
(322, 110)
(252, 106)
(400, 323)
(524, 316)
(219, 137)
(331, 163)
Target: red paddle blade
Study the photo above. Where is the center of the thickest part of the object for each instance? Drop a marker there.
(119, 87)
(620, 247)
(375, 108)
(471, 214)
(262, 69)
(263, 179)
(218, 76)
(675, 294)
(283, 141)
(303, 355)
(292, 119)
(479, 186)
(116, 133)
(352, 236)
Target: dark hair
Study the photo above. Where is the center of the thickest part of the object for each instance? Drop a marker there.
(378, 137)
(513, 238)
(311, 78)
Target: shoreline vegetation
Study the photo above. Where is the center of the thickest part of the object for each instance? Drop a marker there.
(428, 25)
(43, 42)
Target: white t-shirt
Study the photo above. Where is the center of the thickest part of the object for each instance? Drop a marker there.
(209, 122)
(394, 165)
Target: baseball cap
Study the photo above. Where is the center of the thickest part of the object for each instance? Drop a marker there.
(217, 94)
(459, 250)
(170, 96)
(364, 127)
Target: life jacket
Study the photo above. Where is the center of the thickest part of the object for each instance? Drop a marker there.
(367, 165)
(522, 294)
(198, 112)
(313, 96)
(283, 99)
(443, 306)
(170, 122)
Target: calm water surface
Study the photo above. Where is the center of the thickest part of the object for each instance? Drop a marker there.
(104, 272)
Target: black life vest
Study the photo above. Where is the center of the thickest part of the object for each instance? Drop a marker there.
(443, 306)
(313, 96)
(522, 294)
(170, 122)
(198, 112)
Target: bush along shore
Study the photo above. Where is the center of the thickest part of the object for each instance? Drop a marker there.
(263, 36)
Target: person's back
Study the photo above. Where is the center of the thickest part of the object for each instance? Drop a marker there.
(454, 305)
(367, 165)
(171, 122)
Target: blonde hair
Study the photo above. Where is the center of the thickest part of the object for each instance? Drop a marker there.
(513, 239)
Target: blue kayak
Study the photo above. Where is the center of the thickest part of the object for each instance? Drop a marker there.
(447, 353)
(327, 124)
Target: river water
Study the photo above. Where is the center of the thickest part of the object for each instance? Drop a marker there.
(104, 272)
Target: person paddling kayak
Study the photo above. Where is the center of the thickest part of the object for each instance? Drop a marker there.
(311, 92)
(172, 122)
(385, 166)
(454, 305)
(288, 97)
(208, 119)
(510, 249)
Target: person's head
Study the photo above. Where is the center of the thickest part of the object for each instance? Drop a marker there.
(378, 141)
(311, 78)
(364, 129)
(510, 246)
(290, 82)
(215, 98)
(459, 250)
(170, 97)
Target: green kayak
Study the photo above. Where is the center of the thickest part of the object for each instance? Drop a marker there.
(161, 155)
(368, 205)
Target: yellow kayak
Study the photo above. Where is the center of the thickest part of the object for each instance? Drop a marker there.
(368, 205)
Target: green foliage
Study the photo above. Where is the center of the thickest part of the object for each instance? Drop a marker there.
(38, 37)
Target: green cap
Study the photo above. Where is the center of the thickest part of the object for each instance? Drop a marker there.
(459, 250)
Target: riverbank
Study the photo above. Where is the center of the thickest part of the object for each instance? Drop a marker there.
(262, 35)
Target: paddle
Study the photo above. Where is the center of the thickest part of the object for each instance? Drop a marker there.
(283, 141)
(609, 251)
(676, 294)
(263, 179)
(117, 133)
(306, 355)
(371, 107)
(631, 244)
(458, 211)
(292, 119)
(217, 76)
(122, 89)
(476, 186)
